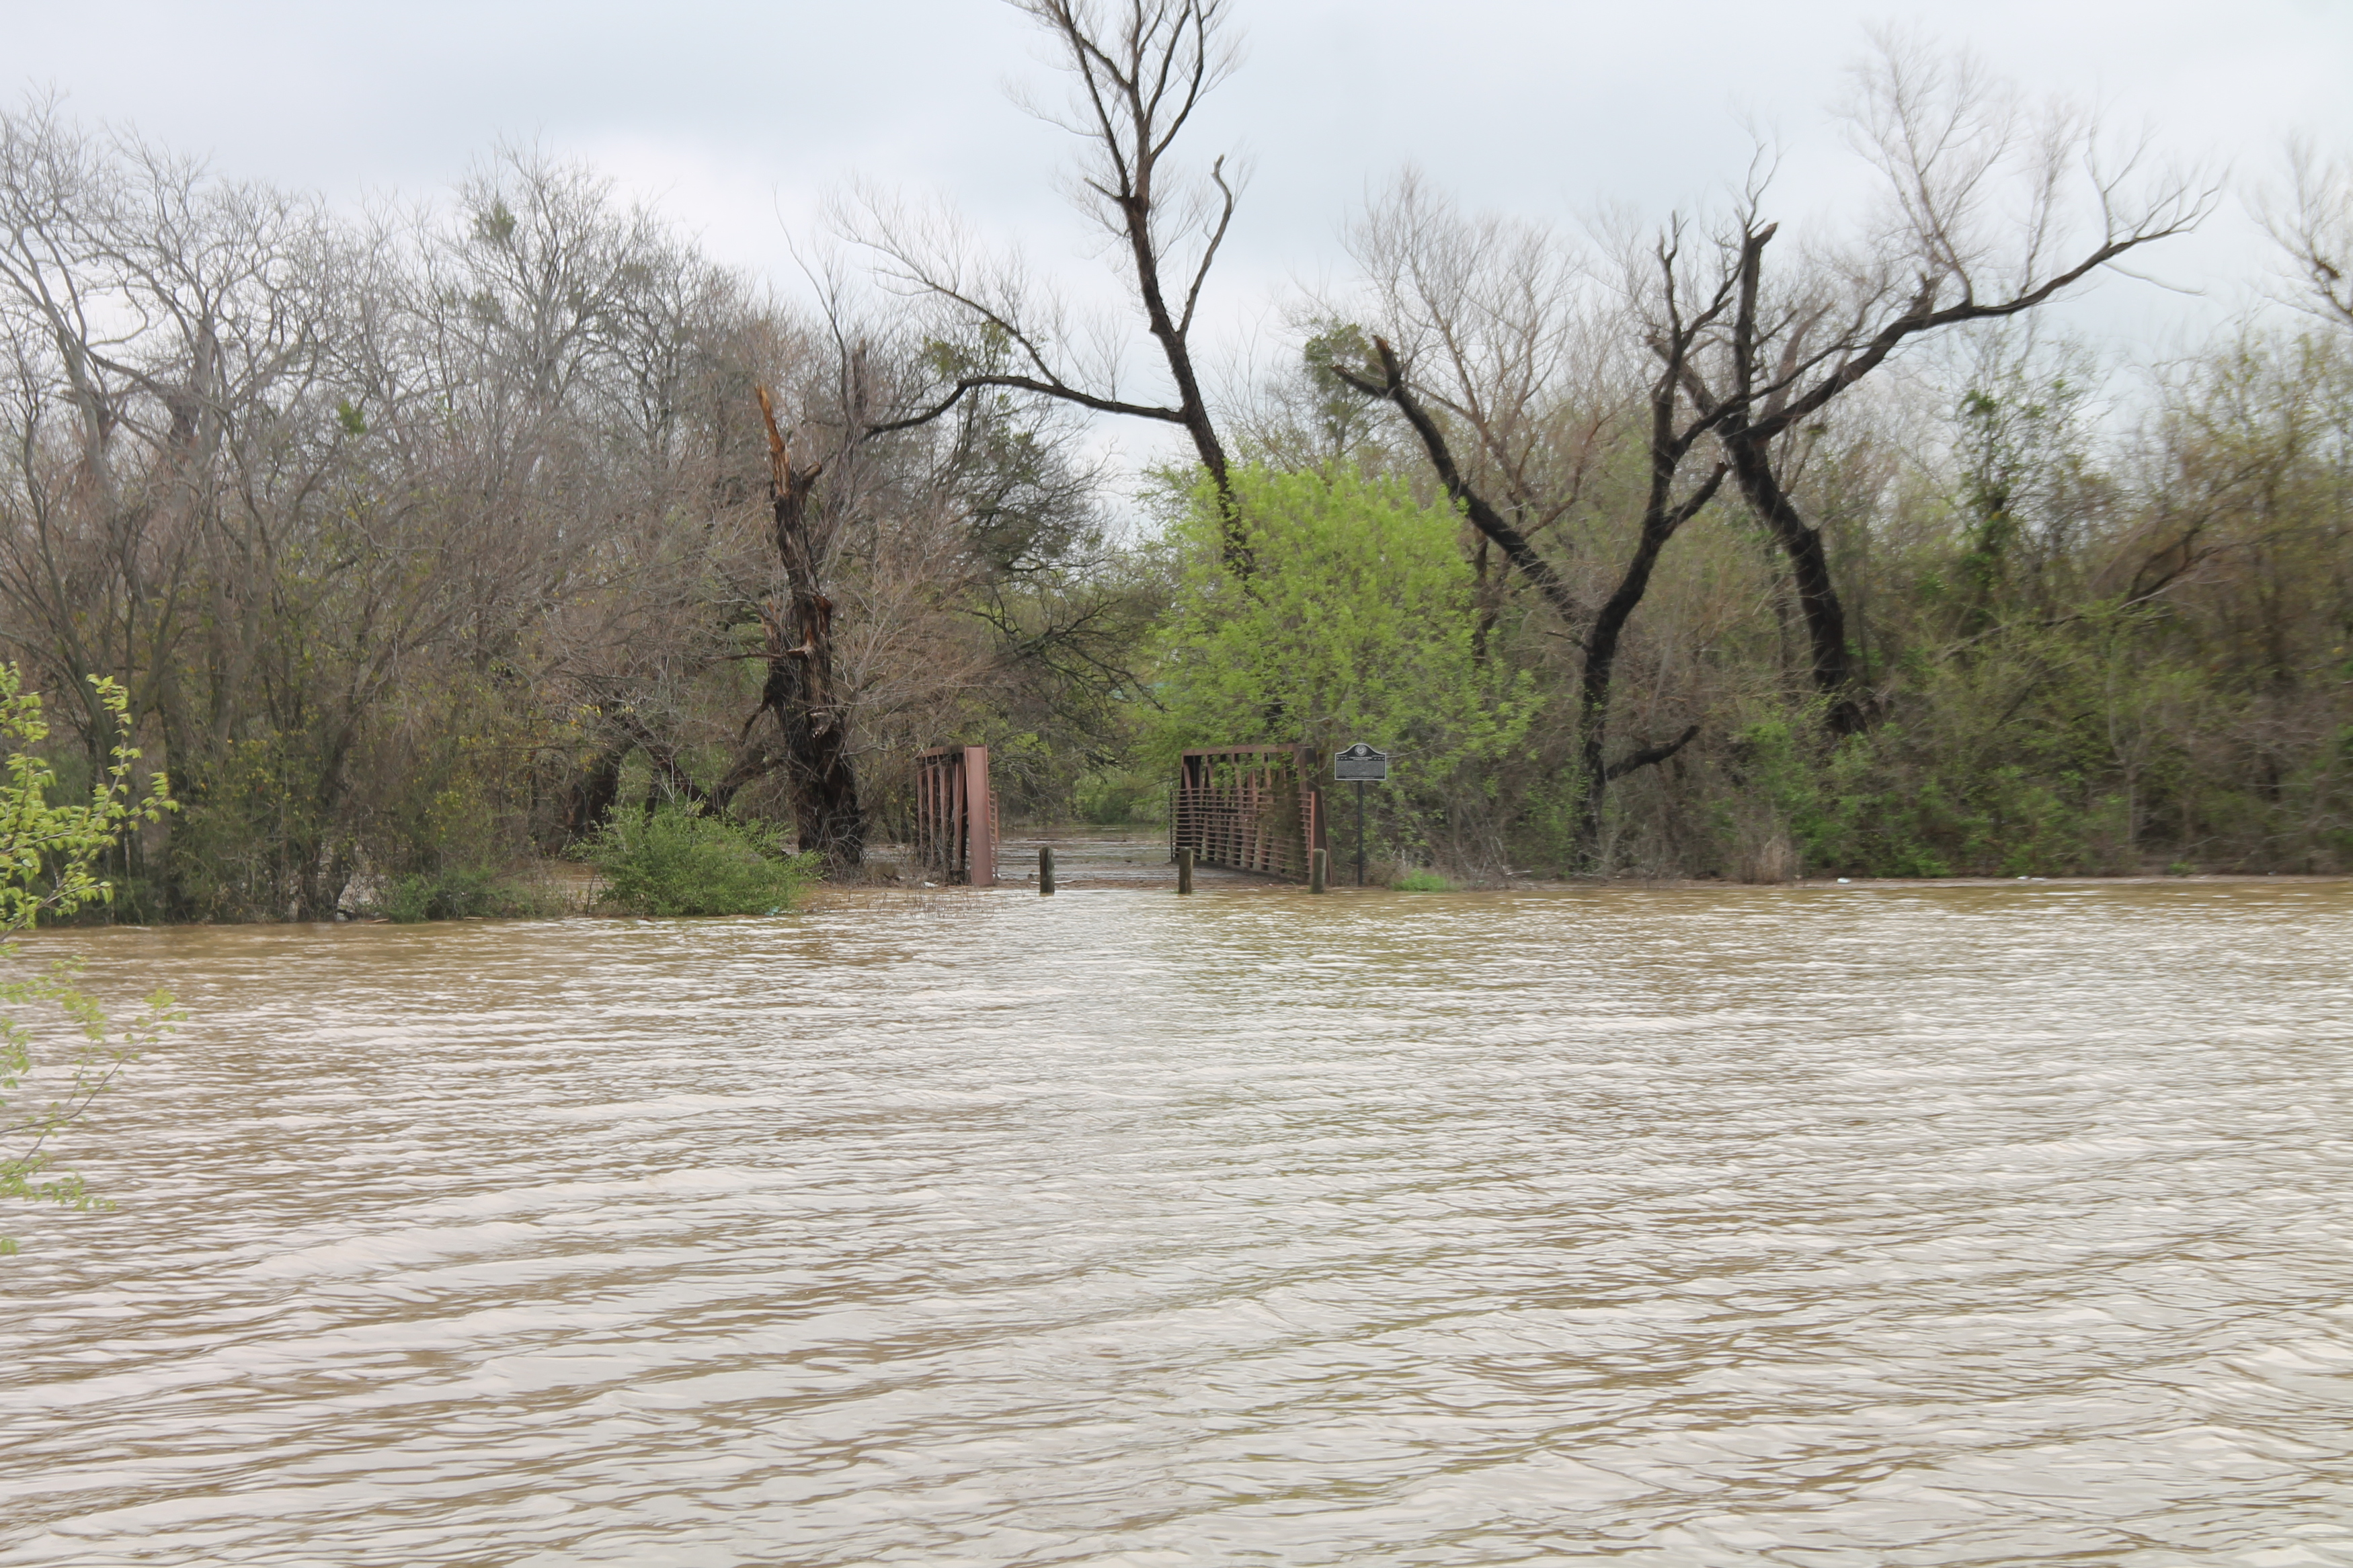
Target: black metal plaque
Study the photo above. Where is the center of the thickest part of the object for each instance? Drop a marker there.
(1360, 763)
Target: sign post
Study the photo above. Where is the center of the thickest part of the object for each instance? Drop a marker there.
(1362, 766)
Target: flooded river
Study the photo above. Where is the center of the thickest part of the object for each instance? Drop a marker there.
(1816, 1227)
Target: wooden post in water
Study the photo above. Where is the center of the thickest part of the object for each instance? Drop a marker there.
(1315, 859)
(1185, 870)
(1045, 869)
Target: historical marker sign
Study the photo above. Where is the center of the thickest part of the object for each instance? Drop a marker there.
(1360, 765)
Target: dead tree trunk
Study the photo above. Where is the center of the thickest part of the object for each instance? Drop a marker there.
(800, 688)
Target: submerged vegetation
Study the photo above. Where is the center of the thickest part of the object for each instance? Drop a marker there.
(462, 893)
(422, 549)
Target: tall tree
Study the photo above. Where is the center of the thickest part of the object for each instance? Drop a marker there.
(1140, 70)
(1979, 225)
(1670, 428)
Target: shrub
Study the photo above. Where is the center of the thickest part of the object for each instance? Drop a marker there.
(50, 854)
(1422, 882)
(680, 861)
(1115, 797)
(461, 893)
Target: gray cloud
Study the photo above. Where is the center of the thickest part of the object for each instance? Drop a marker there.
(739, 117)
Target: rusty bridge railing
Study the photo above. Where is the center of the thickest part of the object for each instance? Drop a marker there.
(956, 816)
(1249, 809)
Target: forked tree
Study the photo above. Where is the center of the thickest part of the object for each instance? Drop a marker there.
(1670, 426)
(1992, 208)
(1978, 224)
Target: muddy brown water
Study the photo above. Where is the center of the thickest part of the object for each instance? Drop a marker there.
(1819, 1227)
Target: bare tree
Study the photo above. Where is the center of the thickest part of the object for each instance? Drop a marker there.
(166, 362)
(1501, 322)
(2315, 226)
(79, 554)
(1510, 335)
(308, 492)
(1982, 222)
(1141, 68)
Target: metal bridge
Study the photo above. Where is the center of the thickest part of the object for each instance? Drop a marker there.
(1249, 809)
(956, 816)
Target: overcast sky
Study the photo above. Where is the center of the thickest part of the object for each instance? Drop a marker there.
(738, 118)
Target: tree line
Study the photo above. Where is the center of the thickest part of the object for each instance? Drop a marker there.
(428, 541)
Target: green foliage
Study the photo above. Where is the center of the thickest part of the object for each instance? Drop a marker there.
(1880, 804)
(2023, 478)
(496, 225)
(1111, 796)
(279, 821)
(1356, 623)
(1422, 882)
(255, 829)
(2053, 751)
(680, 861)
(48, 858)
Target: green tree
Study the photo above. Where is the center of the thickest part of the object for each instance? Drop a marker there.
(1353, 623)
(48, 856)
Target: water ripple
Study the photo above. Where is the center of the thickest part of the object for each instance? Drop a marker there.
(1809, 1227)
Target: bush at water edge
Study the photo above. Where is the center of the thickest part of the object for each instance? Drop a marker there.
(681, 861)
